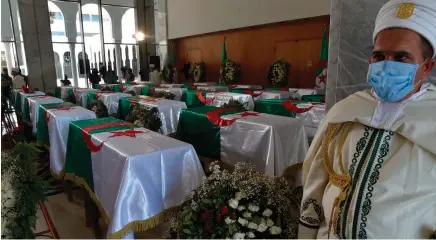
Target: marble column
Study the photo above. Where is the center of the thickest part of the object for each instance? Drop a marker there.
(35, 25)
(351, 27)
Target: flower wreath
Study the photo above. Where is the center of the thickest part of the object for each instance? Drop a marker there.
(145, 117)
(230, 71)
(278, 73)
(198, 72)
(168, 73)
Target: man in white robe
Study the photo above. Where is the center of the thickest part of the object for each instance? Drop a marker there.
(371, 169)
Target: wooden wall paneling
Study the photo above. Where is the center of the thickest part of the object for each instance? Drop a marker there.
(255, 48)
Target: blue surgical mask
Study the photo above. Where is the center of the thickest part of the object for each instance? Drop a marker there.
(392, 81)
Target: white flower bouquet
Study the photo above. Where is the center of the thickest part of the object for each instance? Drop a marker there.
(278, 73)
(239, 204)
(230, 72)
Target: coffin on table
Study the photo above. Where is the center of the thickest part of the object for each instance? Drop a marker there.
(138, 89)
(21, 103)
(191, 98)
(42, 135)
(134, 175)
(178, 92)
(169, 110)
(271, 143)
(110, 99)
(34, 103)
(81, 95)
(112, 87)
(298, 93)
(213, 88)
(219, 99)
(64, 92)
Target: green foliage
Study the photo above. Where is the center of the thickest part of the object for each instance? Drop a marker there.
(145, 117)
(164, 94)
(235, 104)
(22, 189)
(99, 108)
(168, 73)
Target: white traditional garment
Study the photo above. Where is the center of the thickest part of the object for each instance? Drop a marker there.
(271, 143)
(169, 112)
(136, 178)
(272, 95)
(81, 95)
(23, 94)
(221, 98)
(58, 122)
(392, 190)
(34, 106)
(298, 93)
(211, 88)
(136, 88)
(111, 100)
(178, 92)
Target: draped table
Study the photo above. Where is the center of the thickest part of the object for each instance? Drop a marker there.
(63, 92)
(194, 98)
(257, 95)
(110, 99)
(271, 143)
(209, 88)
(34, 103)
(219, 99)
(171, 85)
(113, 87)
(21, 103)
(169, 110)
(81, 95)
(135, 176)
(57, 118)
(136, 88)
(178, 92)
(241, 86)
(298, 93)
(204, 83)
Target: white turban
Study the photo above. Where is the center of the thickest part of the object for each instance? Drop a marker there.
(415, 15)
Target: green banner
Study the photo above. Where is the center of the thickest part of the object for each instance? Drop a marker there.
(191, 99)
(196, 129)
(78, 157)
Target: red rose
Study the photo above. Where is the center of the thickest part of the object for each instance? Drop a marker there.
(208, 225)
(204, 216)
(224, 210)
(218, 218)
(233, 217)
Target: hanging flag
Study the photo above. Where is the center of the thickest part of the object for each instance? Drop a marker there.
(321, 79)
(224, 52)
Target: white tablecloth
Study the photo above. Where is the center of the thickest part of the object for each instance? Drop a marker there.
(178, 92)
(251, 87)
(137, 177)
(205, 83)
(272, 95)
(298, 93)
(135, 88)
(58, 128)
(213, 88)
(22, 95)
(222, 98)
(111, 100)
(81, 95)
(269, 142)
(169, 113)
(171, 85)
(312, 118)
(34, 103)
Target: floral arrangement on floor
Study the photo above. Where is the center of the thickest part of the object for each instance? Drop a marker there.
(198, 72)
(169, 73)
(235, 104)
(164, 94)
(21, 190)
(278, 73)
(99, 108)
(230, 72)
(239, 204)
(145, 117)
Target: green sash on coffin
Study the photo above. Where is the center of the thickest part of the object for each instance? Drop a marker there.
(41, 125)
(196, 129)
(273, 106)
(17, 99)
(191, 99)
(313, 98)
(117, 88)
(25, 111)
(124, 106)
(146, 91)
(58, 92)
(78, 164)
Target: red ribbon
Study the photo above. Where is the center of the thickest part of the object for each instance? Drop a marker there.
(252, 93)
(27, 89)
(215, 119)
(203, 99)
(87, 138)
(288, 104)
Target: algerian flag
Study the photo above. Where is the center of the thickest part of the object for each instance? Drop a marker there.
(224, 52)
(321, 79)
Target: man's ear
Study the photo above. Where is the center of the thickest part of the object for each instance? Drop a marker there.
(428, 66)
